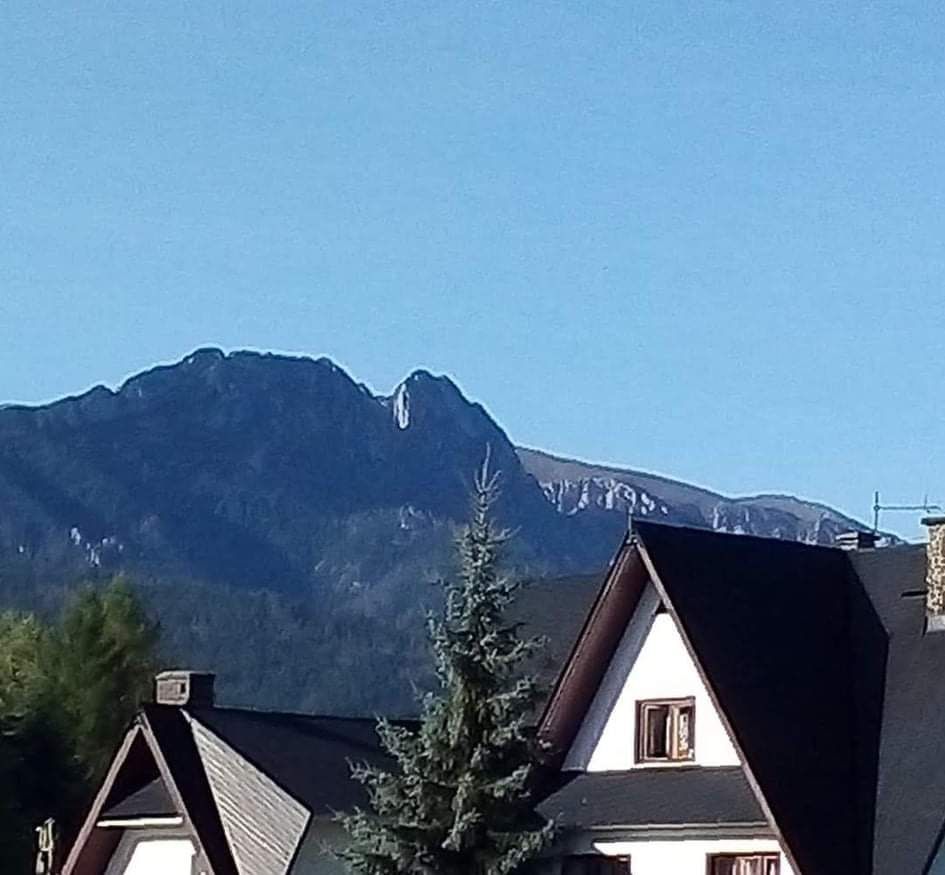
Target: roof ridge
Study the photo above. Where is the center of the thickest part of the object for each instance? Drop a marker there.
(638, 526)
(264, 712)
(298, 715)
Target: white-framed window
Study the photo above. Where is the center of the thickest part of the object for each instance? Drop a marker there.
(666, 730)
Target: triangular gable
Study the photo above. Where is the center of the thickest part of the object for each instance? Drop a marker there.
(135, 795)
(264, 825)
(156, 760)
(650, 663)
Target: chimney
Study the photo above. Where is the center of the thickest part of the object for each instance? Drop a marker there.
(856, 540)
(935, 574)
(181, 687)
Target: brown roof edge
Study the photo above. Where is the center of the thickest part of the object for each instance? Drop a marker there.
(584, 669)
(84, 846)
(654, 576)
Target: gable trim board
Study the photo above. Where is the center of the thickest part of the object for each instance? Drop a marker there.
(600, 635)
(83, 844)
(581, 751)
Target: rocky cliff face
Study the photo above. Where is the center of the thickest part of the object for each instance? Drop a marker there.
(575, 488)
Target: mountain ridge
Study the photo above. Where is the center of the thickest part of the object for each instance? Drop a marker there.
(552, 469)
(282, 518)
(420, 375)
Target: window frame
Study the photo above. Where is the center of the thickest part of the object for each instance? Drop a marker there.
(764, 856)
(674, 705)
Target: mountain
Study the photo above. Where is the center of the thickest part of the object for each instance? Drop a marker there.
(577, 487)
(253, 469)
(285, 522)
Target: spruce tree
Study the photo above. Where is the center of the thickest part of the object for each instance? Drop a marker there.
(457, 799)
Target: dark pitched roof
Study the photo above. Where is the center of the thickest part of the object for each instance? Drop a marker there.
(152, 800)
(910, 799)
(175, 740)
(771, 624)
(308, 756)
(646, 797)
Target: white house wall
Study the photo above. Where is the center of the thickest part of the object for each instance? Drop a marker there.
(142, 852)
(651, 662)
(686, 857)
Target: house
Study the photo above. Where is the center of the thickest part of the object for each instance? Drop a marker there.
(722, 705)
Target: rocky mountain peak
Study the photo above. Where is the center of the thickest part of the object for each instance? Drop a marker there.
(424, 397)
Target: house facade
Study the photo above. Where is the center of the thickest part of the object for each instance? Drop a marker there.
(720, 705)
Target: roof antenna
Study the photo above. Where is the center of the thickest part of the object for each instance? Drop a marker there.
(878, 508)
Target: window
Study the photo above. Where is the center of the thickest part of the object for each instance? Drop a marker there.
(595, 864)
(744, 864)
(666, 730)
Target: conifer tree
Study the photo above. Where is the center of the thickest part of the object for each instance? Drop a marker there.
(102, 663)
(67, 693)
(457, 799)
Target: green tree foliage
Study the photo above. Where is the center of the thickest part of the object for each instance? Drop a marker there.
(458, 799)
(67, 692)
(103, 662)
(36, 770)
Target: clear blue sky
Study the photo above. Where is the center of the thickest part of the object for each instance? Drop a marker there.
(704, 239)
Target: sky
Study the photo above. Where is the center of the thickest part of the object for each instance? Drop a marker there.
(700, 239)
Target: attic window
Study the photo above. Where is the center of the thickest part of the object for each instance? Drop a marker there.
(744, 864)
(665, 731)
